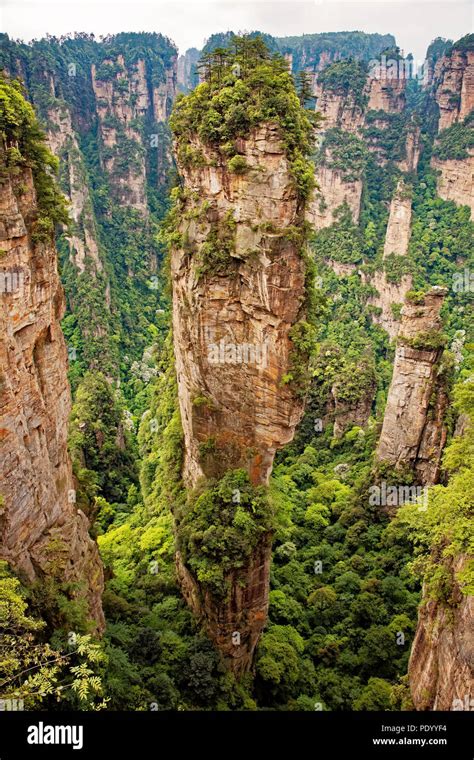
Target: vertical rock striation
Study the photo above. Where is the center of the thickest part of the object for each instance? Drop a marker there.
(413, 432)
(239, 279)
(42, 533)
(454, 93)
(232, 346)
(441, 667)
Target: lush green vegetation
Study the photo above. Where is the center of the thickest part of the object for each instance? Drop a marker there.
(245, 86)
(345, 152)
(455, 142)
(344, 77)
(345, 582)
(24, 147)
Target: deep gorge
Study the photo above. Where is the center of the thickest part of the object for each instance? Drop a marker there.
(266, 316)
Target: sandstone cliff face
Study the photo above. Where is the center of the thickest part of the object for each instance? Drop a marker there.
(122, 99)
(388, 293)
(387, 94)
(41, 531)
(454, 94)
(232, 347)
(398, 232)
(116, 113)
(331, 193)
(441, 667)
(343, 110)
(454, 82)
(397, 238)
(413, 433)
(62, 139)
(456, 180)
(347, 414)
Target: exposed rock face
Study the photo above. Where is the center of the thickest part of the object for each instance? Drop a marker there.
(387, 93)
(413, 432)
(454, 83)
(232, 347)
(62, 139)
(41, 531)
(397, 239)
(348, 414)
(339, 109)
(186, 69)
(332, 192)
(456, 180)
(388, 293)
(121, 99)
(454, 94)
(118, 105)
(441, 667)
(398, 232)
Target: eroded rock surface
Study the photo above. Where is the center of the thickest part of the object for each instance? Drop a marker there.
(42, 533)
(232, 346)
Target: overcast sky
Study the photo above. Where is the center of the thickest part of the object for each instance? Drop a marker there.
(189, 23)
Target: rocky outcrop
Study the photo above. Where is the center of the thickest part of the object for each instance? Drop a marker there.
(186, 69)
(125, 93)
(397, 237)
(42, 533)
(346, 413)
(389, 294)
(413, 432)
(339, 109)
(116, 116)
(454, 94)
(231, 329)
(454, 86)
(332, 192)
(83, 238)
(456, 180)
(387, 93)
(398, 232)
(441, 667)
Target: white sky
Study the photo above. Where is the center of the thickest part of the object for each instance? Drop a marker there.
(189, 22)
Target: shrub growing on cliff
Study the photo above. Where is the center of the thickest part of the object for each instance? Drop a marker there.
(220, 526)
(246, 86)
(25, 145)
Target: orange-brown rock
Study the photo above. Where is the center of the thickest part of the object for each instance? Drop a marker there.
(413, 432)
(387, 93)
(83, 239)
(441, 667)
(332, 192)
(456, 180)
(454, 87)
(42, 533)
(232, 347)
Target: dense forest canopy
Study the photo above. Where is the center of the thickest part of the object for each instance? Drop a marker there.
(346, 578)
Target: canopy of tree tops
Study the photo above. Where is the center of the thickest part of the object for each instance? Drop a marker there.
(345, 77)
(53, 55)
(465, 44)
(23, 146)
(244, 86)
(310, 46)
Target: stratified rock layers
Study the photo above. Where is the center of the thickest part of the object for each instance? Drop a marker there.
(232, 346)
(42, 533)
